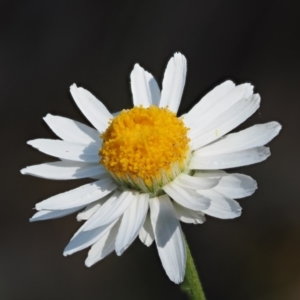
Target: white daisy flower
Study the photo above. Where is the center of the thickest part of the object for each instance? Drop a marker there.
(152, 168)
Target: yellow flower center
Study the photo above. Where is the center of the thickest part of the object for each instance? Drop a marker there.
(145, 148)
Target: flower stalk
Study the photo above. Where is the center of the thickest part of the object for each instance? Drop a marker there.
(191, 284)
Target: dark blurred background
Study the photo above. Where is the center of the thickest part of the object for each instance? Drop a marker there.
(45, 46)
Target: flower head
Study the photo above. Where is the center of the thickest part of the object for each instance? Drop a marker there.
(147, 157)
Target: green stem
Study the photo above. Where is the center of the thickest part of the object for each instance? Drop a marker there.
(191, 284)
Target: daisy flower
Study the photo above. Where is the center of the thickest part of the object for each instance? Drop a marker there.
(152, 169)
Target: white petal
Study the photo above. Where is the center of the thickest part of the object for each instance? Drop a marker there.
(173, 82)
(144, 88)
(111, 209)
(115, 114)
(104, 246)
(83, 239)
(255, 136)
(230, 160)
(67, 150)
(210, 173)
(92, 208)
(168, 237)
(196, 183)
(186, 197)
(236, 186)
(217, 108)
(50, 214)
(146, 234)
(132, 221)
(91, 107)
(64, 170)
(187, 215)
(208, 101)
(72, 131)
(82, 195)
(221, 207)
(231, 118)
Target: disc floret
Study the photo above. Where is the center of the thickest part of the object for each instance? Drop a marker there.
(145, 148)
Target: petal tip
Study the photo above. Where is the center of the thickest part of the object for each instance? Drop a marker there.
(23, 171)
(180, 58)
(179, 55)
(73, 86)
(137, 66)
(38, 206)
(256, 97)
(48, 117)
(177, 279)
(228, 81)
(79, 218)
(88, 263)
(31, 142)
(277, 126)
(267, 152)
(119, 252)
